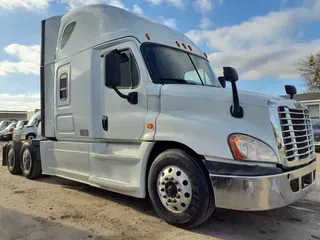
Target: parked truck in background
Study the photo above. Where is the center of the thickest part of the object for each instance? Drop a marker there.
(134, 107)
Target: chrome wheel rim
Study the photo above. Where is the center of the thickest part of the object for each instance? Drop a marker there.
(11, 159)
(174, 189)
(26, 161)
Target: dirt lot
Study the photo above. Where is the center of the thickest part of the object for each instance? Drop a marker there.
(54, 208)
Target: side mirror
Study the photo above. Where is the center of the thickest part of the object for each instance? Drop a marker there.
(291, 90)
(222, 81)
(230, 74)
(112, 69)
(113, 61)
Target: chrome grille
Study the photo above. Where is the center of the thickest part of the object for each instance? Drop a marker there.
(296, 132)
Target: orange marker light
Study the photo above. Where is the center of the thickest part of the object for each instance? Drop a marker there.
(205, 55)
(148, 36)
(185, 47)
(150, 126)
(233, 143)
(190, 48)
(178, 44)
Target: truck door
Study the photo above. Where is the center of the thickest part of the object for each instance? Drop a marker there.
(120, 119)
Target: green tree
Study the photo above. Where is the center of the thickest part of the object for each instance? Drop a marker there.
(309, 69)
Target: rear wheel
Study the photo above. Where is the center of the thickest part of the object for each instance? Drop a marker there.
(31, 167)
(13, 157)
(179, 189)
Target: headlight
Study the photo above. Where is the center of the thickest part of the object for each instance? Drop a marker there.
(248, 148)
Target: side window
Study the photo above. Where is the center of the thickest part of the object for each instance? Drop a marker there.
(63, 86)
(128, 70)
(67, 33)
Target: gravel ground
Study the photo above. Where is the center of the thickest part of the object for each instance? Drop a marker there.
(54, 208)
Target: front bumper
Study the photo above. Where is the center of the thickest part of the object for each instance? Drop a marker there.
(257, 193)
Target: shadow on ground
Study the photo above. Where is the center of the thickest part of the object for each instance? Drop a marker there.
(15, 225)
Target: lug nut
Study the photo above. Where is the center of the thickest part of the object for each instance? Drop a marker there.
(176, 183)
(163, 183)
(178, 196)
(169, 200)
(171, 178)
(174, 200)
(162, 189)
(166, 179)
(179, 190)
(165, 196)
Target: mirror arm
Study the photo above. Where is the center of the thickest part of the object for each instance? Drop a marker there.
(236, 110)
(131, 97)
(119, 93)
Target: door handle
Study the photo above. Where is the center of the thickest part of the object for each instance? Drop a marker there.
(105, 123)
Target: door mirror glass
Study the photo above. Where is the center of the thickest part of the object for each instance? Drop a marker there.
(112, 69)
(230, 74)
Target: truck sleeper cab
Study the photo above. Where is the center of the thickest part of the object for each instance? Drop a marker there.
(134, 107)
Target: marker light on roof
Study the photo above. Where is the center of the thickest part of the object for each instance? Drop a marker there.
(190, 48)
(205, 55)
(185, 47)
(148, 36)
(178, 44)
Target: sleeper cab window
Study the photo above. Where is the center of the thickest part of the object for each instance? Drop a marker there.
(67, 33)
(63, 86)
(128, 70)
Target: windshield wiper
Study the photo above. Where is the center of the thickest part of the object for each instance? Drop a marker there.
(176, 80)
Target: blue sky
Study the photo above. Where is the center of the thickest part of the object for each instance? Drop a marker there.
(261, 39)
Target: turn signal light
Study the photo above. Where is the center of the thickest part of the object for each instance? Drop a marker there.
(148, 36)
(185, 47)
(205, 55)
(178, 44)
(190, 48)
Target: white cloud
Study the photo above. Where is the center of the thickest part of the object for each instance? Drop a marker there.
(176, 3)
(264, 46)
(155, 2)
(137, 9)
(19, 102)
(24, 4)
(80, 3)
(205, 23)
(203, 6)
(28, 60)
(169, 22)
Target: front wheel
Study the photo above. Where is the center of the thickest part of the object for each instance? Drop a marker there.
(30, 136)
(179, 189)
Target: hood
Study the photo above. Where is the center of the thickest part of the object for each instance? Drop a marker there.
(214, 93)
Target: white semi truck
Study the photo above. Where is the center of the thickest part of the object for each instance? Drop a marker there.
(134, 107)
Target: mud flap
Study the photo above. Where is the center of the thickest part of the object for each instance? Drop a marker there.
(4, 155)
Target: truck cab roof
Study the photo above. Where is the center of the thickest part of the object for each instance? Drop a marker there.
(97, 24)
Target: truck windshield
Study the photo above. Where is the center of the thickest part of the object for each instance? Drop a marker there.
(2, 124)
(33, 120)
(169, 65)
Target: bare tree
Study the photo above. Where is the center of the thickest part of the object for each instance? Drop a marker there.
(309, 69)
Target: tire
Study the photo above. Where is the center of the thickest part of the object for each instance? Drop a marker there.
(30, 136)
(30, 166)
(13, 157)
(199, 204)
